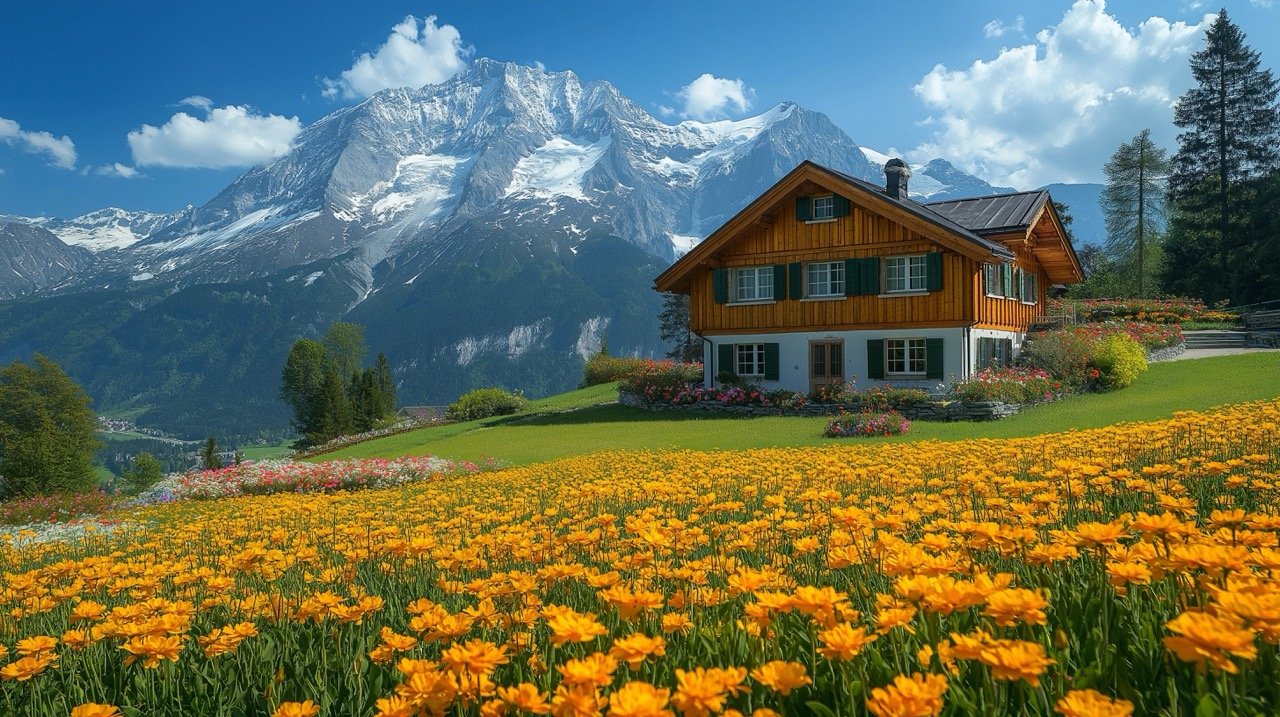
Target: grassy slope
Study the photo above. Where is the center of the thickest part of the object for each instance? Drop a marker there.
(1166, 388)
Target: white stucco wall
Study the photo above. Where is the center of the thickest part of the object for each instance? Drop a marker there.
(959, 346)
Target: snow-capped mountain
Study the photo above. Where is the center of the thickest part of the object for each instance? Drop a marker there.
(32, 258)
(104, 229)
(938, 180)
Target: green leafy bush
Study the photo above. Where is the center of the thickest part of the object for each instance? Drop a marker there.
(603, 368)
(1065, 355)
(835, 392)
(886, 397)
(145, 472)
(1014, 384)
(665, 381)
(867, 423)
(1119, 360)
(483, 403)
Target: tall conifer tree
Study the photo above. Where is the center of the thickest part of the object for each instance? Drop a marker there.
(1230, 138)
(1134, 208)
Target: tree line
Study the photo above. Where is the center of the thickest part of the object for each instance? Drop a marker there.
(329, 392)
(1205, 222)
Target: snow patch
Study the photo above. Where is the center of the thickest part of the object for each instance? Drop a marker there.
(423, 184)
(591, 336)
(311, 278)
(682, 243)
(144, 276)
(415, 278)
(517, 342)
(557, 168)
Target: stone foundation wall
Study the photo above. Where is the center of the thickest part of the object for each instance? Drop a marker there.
(933, 410)
(1167, 352)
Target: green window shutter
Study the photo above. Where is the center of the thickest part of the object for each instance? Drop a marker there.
(933, 271)
(779, 282)
(795, 282)
(726, 360)
(875, 358)
(986, 350)
(933, 358)
(871, 276)
(1017, 283)
(720, 280)
(1035, 288)
(771, 362)
(852, 277)
(839, 206)
(804, 209)
(1006, 280)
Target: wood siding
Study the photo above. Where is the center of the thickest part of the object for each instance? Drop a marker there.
(781, 239)
(997, 312)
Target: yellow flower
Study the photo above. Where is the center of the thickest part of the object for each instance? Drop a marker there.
(1013, 605)
(640, 699)
(844, 641)
(574, 627)
(594, 669)
(297, 709)
(36, 646)
(676, 622)
(703, 691)
(525, 697)
(781, 676)
(93, 709)
(1015, 660)
(476, 657)
(1088, 703)
(915, 696)
(1207, 638)
(152, 649)
(577, 701)
(634, 649)
(27, 667)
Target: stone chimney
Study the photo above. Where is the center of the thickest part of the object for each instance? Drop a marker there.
(896, 174)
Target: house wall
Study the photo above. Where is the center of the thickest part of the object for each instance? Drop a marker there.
(998, 312)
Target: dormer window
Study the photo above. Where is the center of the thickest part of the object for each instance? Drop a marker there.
(824, 207)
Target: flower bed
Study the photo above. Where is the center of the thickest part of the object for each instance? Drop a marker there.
(54, 508)
(267, 477)
(867, 423)
(1014, 384)
(1159, 311)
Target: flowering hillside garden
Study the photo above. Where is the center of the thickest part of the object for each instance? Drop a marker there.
(1125, 570)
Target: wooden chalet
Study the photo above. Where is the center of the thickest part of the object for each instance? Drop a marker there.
(826, 277)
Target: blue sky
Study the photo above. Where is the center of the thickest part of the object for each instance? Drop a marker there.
(154, 105)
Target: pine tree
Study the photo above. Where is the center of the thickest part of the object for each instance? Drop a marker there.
(1133, 204)
(301, 382)
(145, 472)
(344, 344)
(673, 327)
(386, 385)
(209, 459)
(47, 431)
(333, 410)
(1230, 138)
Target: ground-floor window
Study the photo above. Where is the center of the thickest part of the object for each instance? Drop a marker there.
(749, 359)
(905, 356)
(994, 352)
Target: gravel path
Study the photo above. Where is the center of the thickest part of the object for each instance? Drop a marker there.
(1206, 353)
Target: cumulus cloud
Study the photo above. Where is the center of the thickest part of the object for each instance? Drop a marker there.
(710, 97)
(60, 151)
(200, 102)
(415, 54)
(1055, 109)
(997, 28)
(231, 136)
(117, 170)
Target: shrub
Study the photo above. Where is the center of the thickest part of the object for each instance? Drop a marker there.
(146, 472)
(665, 381)
(886, 397)
(838, 392)
(56, 508)
(483, 403)
(1119, 360)
(1015, 384)
(603, 368)
(782, 398)
(867, 423)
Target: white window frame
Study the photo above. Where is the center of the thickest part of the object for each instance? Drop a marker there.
(828, 208)
(834, 281)
(760, 291)
(912, 351)
(910, 283)
(750, 356)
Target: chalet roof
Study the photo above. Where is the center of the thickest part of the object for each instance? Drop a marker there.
(928, 213)
(996, 214)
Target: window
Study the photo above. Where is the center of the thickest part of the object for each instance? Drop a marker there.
(749, 359)
(1029, 293)
(824, 207)
(904, 356)
(991, 274)
(825, 278)
(994, 352)
(753, 284)
(905, 273)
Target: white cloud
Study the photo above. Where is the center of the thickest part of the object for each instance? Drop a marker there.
(231, 136)
(61, 151)
(200, 102)
(710, 97)
(1055, 109)
(117, 170)
(997, 28)
(415, 54)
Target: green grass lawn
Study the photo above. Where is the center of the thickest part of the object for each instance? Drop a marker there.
(1167, 387)
(258, 453)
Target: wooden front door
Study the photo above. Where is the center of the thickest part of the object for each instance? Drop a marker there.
(826, 363)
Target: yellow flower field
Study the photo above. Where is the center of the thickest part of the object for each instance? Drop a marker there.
(1132, 569)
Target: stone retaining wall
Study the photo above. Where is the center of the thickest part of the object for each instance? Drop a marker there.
(1167, 352)
(932, 410)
